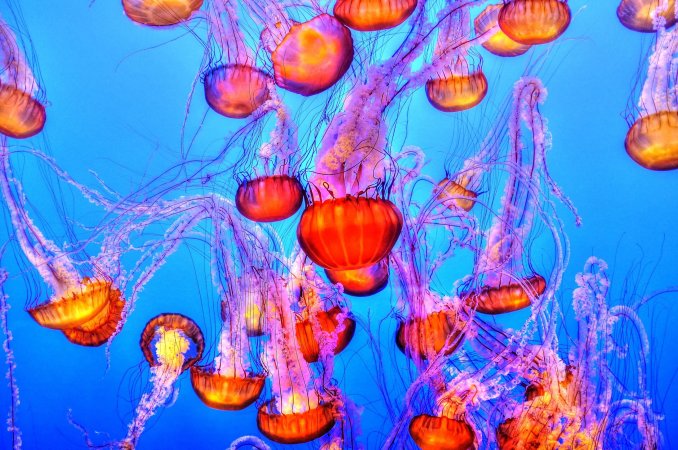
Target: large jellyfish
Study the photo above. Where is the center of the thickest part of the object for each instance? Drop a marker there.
(647, 16)
(533, 22)
(160, 13)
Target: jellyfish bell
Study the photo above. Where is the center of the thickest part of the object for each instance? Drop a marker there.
(236, 90)
(21, 115)
(161, 325)
(160, 13)
(102, 326)
(329, 323)
(638, 15)
(456, 195)
(652, 141)
(498, 43)
(373, 15)
(350, 232)
(441, 433)
(228, 392)
(269, 198)
(423, 337)
(457, 91)
(506, 298)
(532, 22)
(290, 427)
(362, 282)
(313, 55)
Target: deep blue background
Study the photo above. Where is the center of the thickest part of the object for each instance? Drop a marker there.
(117, 96)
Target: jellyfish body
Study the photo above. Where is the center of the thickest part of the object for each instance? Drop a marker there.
(269, 198)
(532, 22)
(455, 195)
(224, 392)
(171, 322)
(639, 15)
(99, 329)
(295, 427)
(236, 90)
(424, 337)
(160, 13)
(313, 55)
(373, 15)
(361, 282)
(652, 141)
(498, 43)
(329, 322)
(349, 233)
(454, 93)
(441, 433)
(21, 115)
(506, 298)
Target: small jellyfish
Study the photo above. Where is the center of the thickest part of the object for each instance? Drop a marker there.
(652, 141)
(236, 90)
(361, 282)
(506, 298)
(498, 43)
(269, 198)
(223, 391)
(640, 15)
(441, 433)
(349, 233)
(534, 22)
(456, 92)
(329, 322)
(160, 13)
(313, 55)
(456, 195)
(425, 337)
(373, 15)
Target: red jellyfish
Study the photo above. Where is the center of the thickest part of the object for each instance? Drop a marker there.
(498, 42)
(235, 89)
(373, 15)
(22, 115)
(362, 282)
(313, 55)
(171, 343)
(508, 297)
(441, 433)
(652, 141)
(269, 198)
(644, 15)
(160, 13)
(533, 22)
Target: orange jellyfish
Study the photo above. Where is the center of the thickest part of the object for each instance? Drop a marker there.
(425, 337)
(456, 195)
(328, 322)
(652, 141)
(498, 43)
(160, 13)
(441, 433)
(373, 15)
(167, 341)
(101, 327)
(639, 15)
(269, 198)
(223, 391)
(313, 55)
(236, 90)
(349, 233)
(506, 298)
(534, 22)
(295, 428)
(361, 282)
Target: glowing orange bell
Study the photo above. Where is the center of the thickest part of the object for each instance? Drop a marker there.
(308, 342)
(441, 433)
(533, 22)
(637, 14)
(236, 90)
(453, 194)
(373, 15)
(361, 282)
(652, 141)
(313, 56)
(101, 327)
(349, 233)
(159, 13)
(295, 428)
(456, 93)
(423, 337)
(21, 116)
(224, 392)
(269, 198)
(498, 43)
(177, 322)
(507, 298)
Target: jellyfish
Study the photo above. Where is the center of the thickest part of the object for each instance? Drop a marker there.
(234, 88)
(532, 22)
(22, 113)
(440, 432)
(160, 13)
(498, 43)
(373, 15)
(362, 282)
(652, 140)
(456, 195)
(171, 343)
(269, 199)
(645, 15)
(461, 86)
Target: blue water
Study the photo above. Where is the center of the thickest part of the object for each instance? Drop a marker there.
(117, 95)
